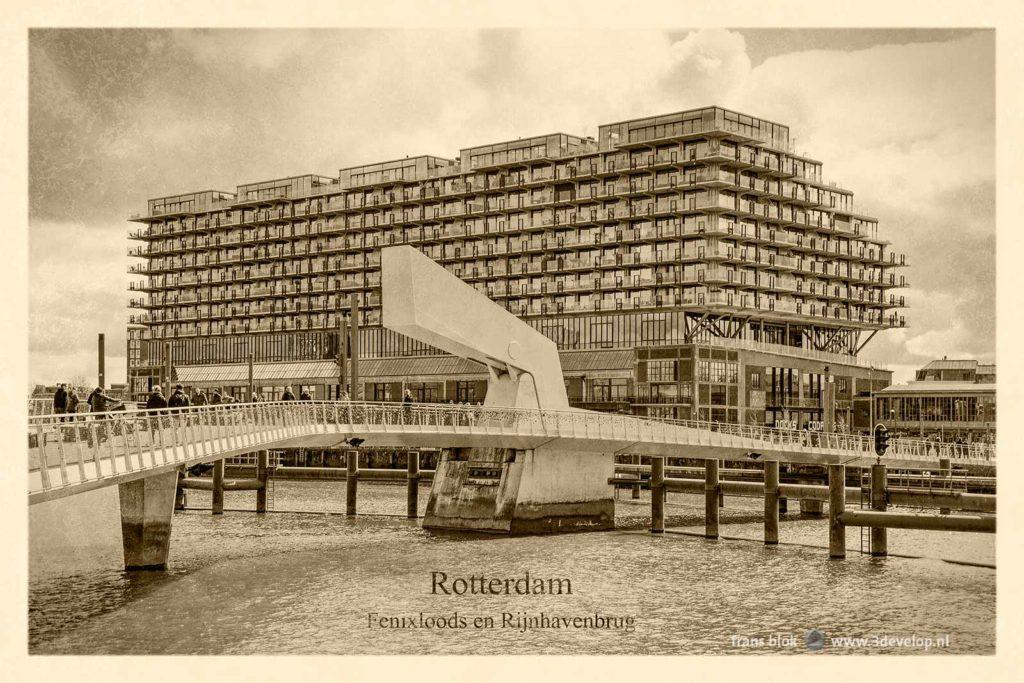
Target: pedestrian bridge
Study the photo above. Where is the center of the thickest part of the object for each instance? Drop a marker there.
(69, 455)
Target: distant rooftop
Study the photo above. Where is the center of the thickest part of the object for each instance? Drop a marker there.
(932, 386)
(946, 364)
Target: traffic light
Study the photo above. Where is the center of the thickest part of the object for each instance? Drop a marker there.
(881, 439)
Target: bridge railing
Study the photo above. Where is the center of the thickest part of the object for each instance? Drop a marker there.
(70, 449)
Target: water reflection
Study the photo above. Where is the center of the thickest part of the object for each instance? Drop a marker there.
(305, 583)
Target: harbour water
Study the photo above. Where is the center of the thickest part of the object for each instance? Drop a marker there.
(310, 581)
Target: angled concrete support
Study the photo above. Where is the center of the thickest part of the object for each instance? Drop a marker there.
(490, 489)
(146, 509)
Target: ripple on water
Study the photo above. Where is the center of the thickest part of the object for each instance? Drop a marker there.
(305, 583)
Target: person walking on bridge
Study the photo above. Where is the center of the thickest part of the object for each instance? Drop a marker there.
(407, 401)
(60, 400)
(199, 399)
(288, 395)
(304, 395)
(72, 405)
(98, 400)
(178, 398)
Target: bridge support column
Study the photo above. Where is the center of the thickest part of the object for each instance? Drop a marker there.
(218, 487)
(944, 472)
(657, 494)
(262, 464)
(511, 491)
(412, 484)
(147, 506)
(351, 481)
(836, 506)
(879, 538)
(771, 502)
(636, 487)
(711, 491)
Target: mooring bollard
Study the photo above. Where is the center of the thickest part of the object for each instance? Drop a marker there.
(218, 487)
(351, 479)
(657, 495)
(783, 505)
(262, 463)
(636, 486)
(412, 484)
(945, 471)
(878, 502)
(771, 502)
(711, 492)
(836, 506)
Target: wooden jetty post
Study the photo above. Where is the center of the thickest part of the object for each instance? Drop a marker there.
(636, 487)
(944, 472)
(351, 480)
(657, 495)
(771, 502)
(721, 493)
(879, 541)
(836, 507)
(180, 497)
(711, 491)
(262, 463)
(412, 484)
(218, 487)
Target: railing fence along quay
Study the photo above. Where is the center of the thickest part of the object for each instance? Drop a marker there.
(72, 450)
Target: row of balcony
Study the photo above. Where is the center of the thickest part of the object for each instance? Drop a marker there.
(738, 158)
(294, 244)
(805, 214)
(733, 301)
(509, 267)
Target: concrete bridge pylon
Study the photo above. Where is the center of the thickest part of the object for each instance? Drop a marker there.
(497, 490)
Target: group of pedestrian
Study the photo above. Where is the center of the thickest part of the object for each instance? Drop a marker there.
(289, 395)
(66, 401)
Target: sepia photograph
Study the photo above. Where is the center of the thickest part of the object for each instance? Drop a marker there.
(511, 341)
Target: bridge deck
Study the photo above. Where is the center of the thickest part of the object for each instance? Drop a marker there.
(69, 455)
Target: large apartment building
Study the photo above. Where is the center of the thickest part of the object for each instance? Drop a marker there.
(690, 265)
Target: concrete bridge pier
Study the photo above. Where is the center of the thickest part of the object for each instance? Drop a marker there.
(513, 492)
(147, 506)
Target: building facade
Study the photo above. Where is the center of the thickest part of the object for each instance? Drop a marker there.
(686, 265)
(949, 400)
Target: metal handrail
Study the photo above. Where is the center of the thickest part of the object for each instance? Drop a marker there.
(83, 447)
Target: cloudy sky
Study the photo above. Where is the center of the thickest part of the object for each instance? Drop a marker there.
(904, 118)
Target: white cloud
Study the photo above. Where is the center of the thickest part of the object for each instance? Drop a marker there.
(907, 127)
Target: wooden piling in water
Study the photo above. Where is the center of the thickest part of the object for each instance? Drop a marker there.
(180, 497)
(711, 492)
(944, 472)
(836, 507)
(412, 484)
(771, 502)
(351, 475)
(879, 540)
(721, 493)
(217, 504)
(262, 463)
(636, 487)
(657, 495)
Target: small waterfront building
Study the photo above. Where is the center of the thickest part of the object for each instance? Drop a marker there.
(948, 400)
